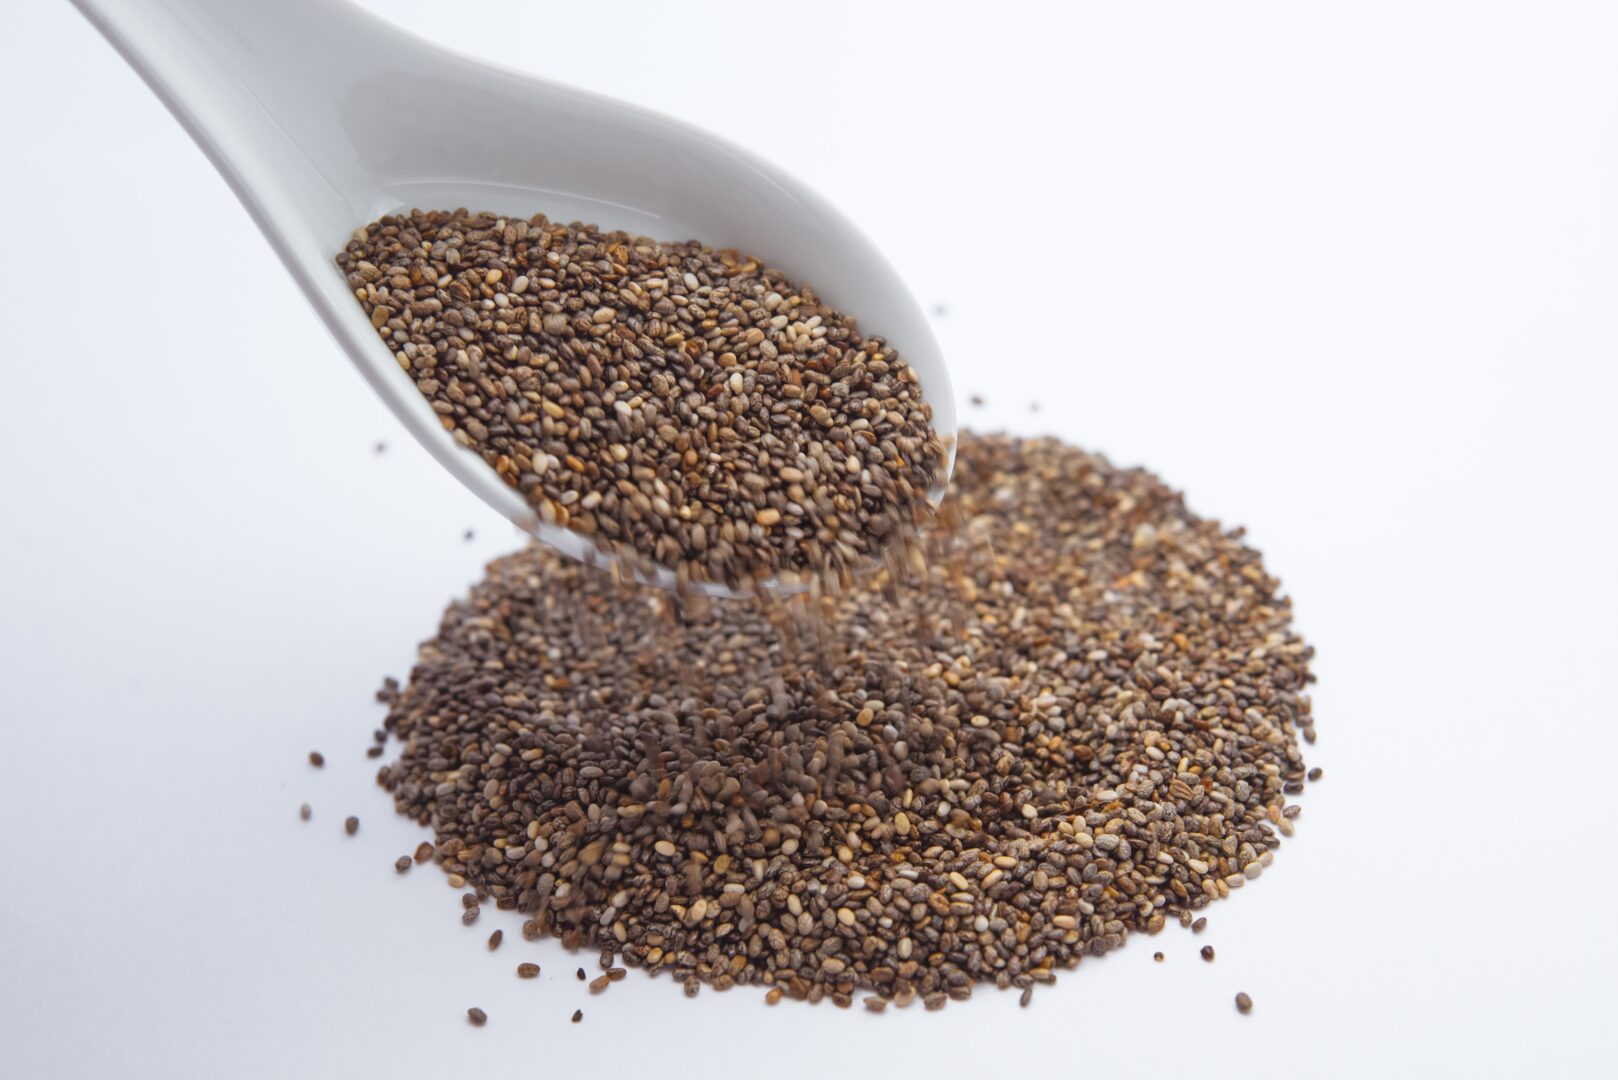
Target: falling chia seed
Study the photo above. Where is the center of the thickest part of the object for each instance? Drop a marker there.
(964, 776)
(317, 759)
(351, 825)
(1244, 1004)
(305, 812)
(527, 971)
(1207, 953)
(477, 1016)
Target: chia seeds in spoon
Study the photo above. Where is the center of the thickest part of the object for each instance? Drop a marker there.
(680, 406)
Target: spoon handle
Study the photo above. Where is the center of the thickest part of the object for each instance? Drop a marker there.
(252, 82)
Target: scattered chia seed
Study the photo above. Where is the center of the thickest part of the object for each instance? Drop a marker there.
(1208, 953)
(527, 971)
(305, 812)
(1158, 957)
(477, 1016)
(351, 825)
(578, 1014)
(317, 759)
(1199, 926)
(495, 939)
(1077, 725)
(1244, 1004)
(402, 863)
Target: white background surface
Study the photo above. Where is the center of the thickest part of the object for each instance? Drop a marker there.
(1346, 276)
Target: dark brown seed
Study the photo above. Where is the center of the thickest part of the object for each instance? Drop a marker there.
(528, 971)
(470, 916)
(679, 406)
(1026, 996)
(581, 975)
(1244, 1004)
(305, 811)
(617, 974)
(578, 1014)
(316, 758)
(1158, 957)
(1208, 953)
(424, 851)
(477, 1016)
(373, 751)
(495, 939)
(1316, 773)
(1199, 926)
(351, 825)
(692, 986)
(876, 1004)
(402, 863)
(634, 825)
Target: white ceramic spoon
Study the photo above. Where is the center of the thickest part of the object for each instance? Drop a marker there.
(323, 118)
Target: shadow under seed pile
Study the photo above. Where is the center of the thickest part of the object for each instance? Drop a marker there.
(1081, 725)
(680, 406)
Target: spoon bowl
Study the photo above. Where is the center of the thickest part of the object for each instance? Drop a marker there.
(323, 118)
